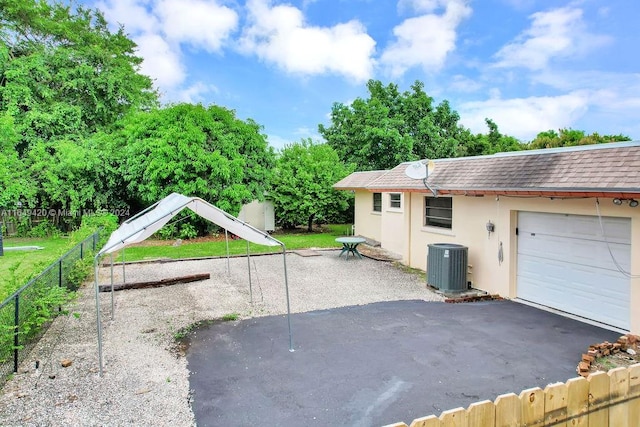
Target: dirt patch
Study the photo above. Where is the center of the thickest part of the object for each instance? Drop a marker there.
(606, 356)
(618, 360)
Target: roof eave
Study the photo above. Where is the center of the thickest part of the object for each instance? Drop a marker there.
(622, 193)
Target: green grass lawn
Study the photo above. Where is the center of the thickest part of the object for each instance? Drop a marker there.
(293, 240)
(29, 260)
(33, 261)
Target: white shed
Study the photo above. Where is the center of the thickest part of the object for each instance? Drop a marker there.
(261, 215)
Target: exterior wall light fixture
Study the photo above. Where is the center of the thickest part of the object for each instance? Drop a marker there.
(632, 202)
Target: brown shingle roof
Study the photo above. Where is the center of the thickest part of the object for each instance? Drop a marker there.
(358, 180)
(612, 169)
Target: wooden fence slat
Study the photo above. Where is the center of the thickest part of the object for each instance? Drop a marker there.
(601, 400)
(454, 418)
(618, 392)
(430, 421)
(598, 399)
(634, 392)
(481, 414)
(532, 407)
(578, 402)
(555, 404)
(507, 410)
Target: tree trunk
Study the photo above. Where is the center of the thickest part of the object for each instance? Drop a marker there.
(310, 223)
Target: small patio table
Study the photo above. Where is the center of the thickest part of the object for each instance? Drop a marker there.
(350, 245)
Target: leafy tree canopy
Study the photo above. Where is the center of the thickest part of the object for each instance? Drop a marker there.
(571, 137)
(190, 149)
(63, 74)
(15, 184)
(493, 142)
(302, 184)
(390, 127)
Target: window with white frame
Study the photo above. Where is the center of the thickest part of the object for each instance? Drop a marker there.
(377, 202)
(395, 200)
(438, 212)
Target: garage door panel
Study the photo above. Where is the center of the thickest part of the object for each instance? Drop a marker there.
(583, 291)
(594, 254)
(576, 226)
(560, 268)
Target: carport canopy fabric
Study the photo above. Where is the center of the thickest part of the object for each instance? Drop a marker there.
(144, 224)
(147, 222)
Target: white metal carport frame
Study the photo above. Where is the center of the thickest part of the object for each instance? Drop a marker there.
(147, 222)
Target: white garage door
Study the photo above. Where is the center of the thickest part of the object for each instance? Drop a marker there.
(564, 263)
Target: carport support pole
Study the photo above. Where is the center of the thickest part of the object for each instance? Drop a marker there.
(286, 287)
(249, 264)
(112, 315)
(124, 280)
(99, 324)
(226, 239)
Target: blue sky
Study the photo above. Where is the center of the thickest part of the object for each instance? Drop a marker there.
(529, 65)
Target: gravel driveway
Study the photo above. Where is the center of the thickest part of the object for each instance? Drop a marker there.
(145, 381)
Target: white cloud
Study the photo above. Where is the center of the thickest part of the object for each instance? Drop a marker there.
(135, 15)
(161, 27)
(567, 80)
(278, 142)
(421, 6)
(162, 61)
(425, 40)
(281, 36)
(524, 118)
(194, 93)
(203, 24)
(464, 84)
(558, 33)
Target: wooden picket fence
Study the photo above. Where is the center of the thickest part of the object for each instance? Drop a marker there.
(603, 399)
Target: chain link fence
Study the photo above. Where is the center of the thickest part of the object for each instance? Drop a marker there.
(27, 314)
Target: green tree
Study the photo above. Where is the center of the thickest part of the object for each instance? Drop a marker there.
(390, 127)
(303, 184)
(69, 175)
(189, 149)
(63, 74)
(496, 142)
(15, 183)
(570, 138)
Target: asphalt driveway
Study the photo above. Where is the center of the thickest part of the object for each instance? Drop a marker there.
(378, 363)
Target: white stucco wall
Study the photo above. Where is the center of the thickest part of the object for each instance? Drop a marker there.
(367, 222)
(470, 215)
(395, 224)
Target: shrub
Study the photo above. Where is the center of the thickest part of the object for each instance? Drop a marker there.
(188, 231)
(44, 229)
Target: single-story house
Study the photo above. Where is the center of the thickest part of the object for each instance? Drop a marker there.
(558, 228)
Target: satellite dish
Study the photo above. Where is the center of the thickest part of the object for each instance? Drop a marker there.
(416, 170)
(420, 169)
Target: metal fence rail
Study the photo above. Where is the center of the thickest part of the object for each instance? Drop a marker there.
(16, 338)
